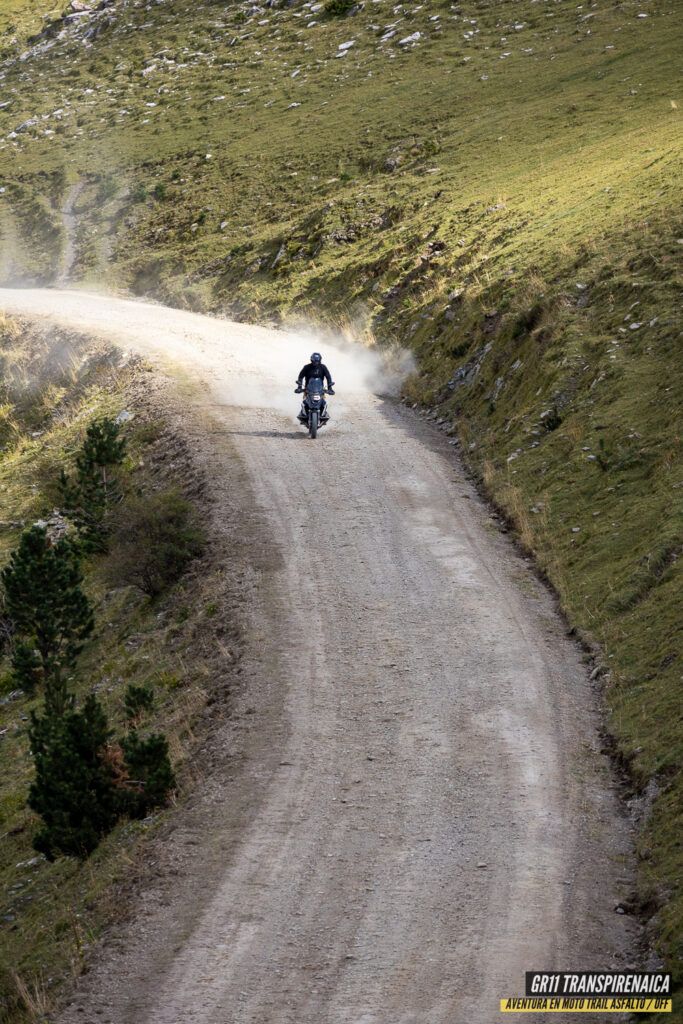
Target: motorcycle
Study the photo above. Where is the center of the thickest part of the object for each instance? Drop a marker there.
(314, 413)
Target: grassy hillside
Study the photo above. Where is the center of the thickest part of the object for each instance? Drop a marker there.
(51, 387)
(493, 184)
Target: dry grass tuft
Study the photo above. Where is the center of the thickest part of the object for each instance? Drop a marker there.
(34, 997)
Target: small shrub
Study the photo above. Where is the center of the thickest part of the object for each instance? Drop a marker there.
(339, 8)
(168, 680)
(553, 420)
(527, 320)
(604, 455)
(150, 776)
(138, 700)
(7, 683)
(155, 541)
(160, 190)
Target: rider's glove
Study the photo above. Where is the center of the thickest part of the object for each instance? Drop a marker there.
(330, 391)
(298, 390)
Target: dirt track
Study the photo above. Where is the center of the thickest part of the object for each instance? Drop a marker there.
(418, 812)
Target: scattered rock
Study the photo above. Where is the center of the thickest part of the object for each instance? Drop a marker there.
(55, 525)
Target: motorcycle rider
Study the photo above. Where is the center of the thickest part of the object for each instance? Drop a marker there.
(315, 370)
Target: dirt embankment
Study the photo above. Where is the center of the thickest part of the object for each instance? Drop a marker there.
(408, 807)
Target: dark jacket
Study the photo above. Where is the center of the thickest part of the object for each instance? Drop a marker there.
(315, 371)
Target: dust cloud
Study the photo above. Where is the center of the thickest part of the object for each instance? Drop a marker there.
(245, 366)
(355, 368)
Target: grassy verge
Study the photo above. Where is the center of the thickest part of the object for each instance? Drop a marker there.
(566, 403)
(54, 386)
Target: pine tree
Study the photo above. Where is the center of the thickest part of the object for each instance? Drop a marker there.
(74, 790)
(150, 773)
(87, 499)
(51, 613)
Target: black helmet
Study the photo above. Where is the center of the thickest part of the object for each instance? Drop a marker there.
(316, 358)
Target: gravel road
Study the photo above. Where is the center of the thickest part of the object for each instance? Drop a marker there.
(419, 811)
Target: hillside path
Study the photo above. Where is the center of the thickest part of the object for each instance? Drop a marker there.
(411, 808)
(69, 222)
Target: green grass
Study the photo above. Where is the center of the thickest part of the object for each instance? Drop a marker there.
(19, 21)
(503, 199)
(542, 132)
